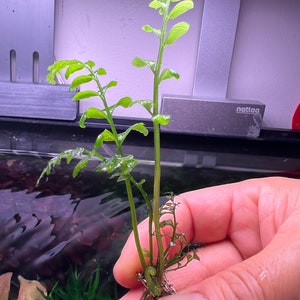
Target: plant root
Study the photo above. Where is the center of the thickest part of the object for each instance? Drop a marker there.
(166, 288)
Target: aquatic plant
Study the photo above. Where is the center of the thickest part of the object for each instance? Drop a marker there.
(119, 165)
(78, 287)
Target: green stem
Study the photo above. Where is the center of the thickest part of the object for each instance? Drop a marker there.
(150, 215)
(157, 167)
(127, 178)
(135, 223)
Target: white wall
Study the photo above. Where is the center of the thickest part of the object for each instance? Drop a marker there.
(266, 61)
(265, 66)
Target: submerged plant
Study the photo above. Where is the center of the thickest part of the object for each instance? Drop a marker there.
(78, 288)
(119, 165)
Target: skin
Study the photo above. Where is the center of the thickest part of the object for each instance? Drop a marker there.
(251, 232)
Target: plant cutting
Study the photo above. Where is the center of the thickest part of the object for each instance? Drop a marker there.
(119, 165)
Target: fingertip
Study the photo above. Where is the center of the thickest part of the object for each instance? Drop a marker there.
(123, 277)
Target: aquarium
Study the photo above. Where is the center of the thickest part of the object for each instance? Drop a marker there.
(68, 225)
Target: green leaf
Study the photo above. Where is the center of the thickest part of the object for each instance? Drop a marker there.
(125, 102)
(92, 113)
(56, 68)
(80, 80)
(85, 94)
(139, 127)
(95, 113)
(80, 165)
(147, 104)
(148, 28)
(155, 4)
(181, 8)
(104, 136)
(90, 63)
(73, 68)
(110, 84)
(101, 72)
(140, 63)
(161, 119)
(177, 31)
(110, 165)
(168, 74)
(128, 165)
(68, 155)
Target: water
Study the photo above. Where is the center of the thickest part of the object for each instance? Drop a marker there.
(82, 221)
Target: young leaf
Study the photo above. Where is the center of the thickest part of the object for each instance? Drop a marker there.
(84, 95)
(181, 8)
(161, 119)
(90, 63)
(168, 74)
(101, 72)
(80, 80)
(177, 31)
(149, 28)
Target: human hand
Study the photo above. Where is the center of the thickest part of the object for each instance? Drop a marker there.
(251, 232)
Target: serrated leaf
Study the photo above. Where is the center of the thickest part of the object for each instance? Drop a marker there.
(168, 74)
(77, 81)
(161, 119)
(181, 8)
(177, 31)
(85, 94)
